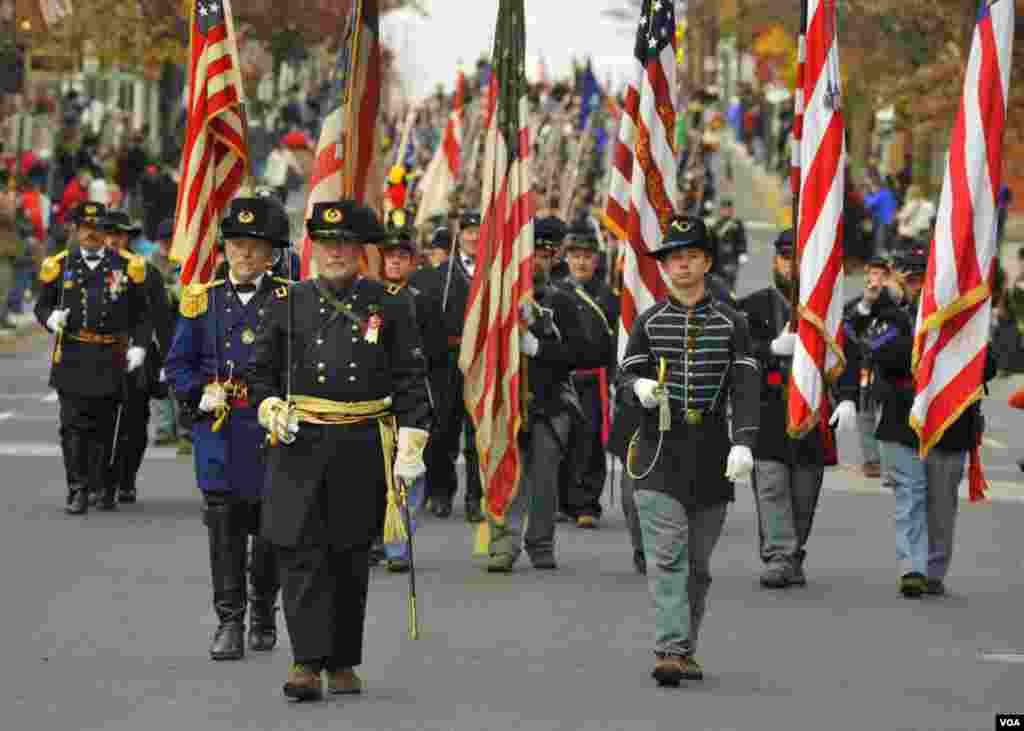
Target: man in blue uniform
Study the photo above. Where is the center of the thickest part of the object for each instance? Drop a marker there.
(93, 299)
(211, 350)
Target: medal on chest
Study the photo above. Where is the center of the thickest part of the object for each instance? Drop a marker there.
(116, 283)
(248, 336)
(373, 325)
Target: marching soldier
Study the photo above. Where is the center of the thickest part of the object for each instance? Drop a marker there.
(438, 246)
(213, 345)
(555, 344)
(141, 385)
(687, 356)
(338, 375)
(788, 472)
(731, 236)
(93, 298)
(598, 310)
(445, 294)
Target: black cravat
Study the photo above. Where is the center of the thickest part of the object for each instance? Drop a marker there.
(245, 288)
(93, 257)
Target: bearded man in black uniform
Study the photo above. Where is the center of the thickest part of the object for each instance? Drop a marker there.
(93, 299)
(338, 375)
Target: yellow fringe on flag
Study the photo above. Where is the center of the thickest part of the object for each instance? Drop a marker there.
(482, 542)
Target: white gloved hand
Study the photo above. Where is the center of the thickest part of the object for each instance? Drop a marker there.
(844, 418)
(163, 375)
(646, 389)
(785, 344)
(527, 313)
(275, 415)
(529, 344)
(743, 259)
(135, 357)
(58, 319)
(213, 398)
(740, 463)
(409, 464)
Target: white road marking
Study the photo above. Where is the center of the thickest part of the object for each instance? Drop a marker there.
(43, 396)
(5, 415)
(1007, 656)
(50, 449)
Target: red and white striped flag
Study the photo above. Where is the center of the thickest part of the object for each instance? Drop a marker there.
(653, 176)
(951, 337)
(443, 171)
(818, 358)
(347, 150)
(503, 278)
(215, 157)
(620, 187)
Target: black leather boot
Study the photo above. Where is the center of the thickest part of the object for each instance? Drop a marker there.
(264, 581)
(100, 482)
(78, 500)
(126, 492)
(227, 570)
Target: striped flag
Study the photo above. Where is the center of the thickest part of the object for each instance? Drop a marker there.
(503, 279)
(215, 157)
(444, 168)
(652, 110)
(798, 106)
(951, 338)
(347, 149)
(620, 188)
(818, 359)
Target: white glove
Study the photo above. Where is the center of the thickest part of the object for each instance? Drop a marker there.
(527, 313)
(743, 259)
(785, 344)
(163, 375)
(275, 415)
(134, 357)
(58, 319)
(740, 463)
(409, 464)
(529, 344)
(844, 418)
(213, 398)
(646, 389)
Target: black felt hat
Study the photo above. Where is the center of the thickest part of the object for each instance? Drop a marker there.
(683, 232)
(257, 218)
(548, 233)
(344, 221)
(119, 222)
(90, 213)
(582, 236)
(400, 232)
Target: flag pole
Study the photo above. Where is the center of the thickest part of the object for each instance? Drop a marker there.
(794, 294)
(347, 177)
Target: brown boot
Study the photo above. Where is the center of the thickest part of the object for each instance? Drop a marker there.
(669, 669)
(344, 682)
(692, 669)
(303, 684)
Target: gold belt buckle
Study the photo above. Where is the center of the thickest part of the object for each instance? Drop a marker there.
(694, 417)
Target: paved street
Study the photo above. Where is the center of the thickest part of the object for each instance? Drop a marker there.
(106, 619)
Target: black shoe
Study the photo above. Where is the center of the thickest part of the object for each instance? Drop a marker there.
(108, 500)
(377, 554)
(78, 502)
(544, 562)
(935, 587)
(640, 562)
(443, 508)
(913, 585)
(127, 495)
(264, 582)
(228, 543)
(93, 498)
(473, 513)
(227, 641)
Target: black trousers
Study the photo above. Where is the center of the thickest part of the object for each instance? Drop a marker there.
(585, 478)
(443, 447)
(86, 431)
(133, 435)
(324, 595)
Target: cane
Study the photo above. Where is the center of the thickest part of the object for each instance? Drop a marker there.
(414, 626)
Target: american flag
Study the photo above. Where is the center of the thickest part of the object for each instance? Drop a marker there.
(215, 158)
(503, 279)
(651, 115)
(443, 171)
(347, 150)
(818, 358)
(951, 338)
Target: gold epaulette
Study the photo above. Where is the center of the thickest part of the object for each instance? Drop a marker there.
(282, 280)
(50, 269)
(393, 289)
(195, 299)
(136, 266)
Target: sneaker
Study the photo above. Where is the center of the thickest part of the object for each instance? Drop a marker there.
(692, 669)
(184, 447)
(502, 563)
(777, 576)
(913, 585)
(303, 684)
(544, 562)
(344, 682)
(935, 587)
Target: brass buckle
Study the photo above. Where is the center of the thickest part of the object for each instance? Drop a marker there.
(694, 417)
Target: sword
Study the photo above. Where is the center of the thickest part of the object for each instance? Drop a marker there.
(414, 626)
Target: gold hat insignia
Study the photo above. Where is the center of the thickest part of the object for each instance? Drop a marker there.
(398, 218)
(332, 215)
(682, 226)
(246, 217)
(90, 210)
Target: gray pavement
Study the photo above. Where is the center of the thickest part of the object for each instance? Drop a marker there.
(106, 619)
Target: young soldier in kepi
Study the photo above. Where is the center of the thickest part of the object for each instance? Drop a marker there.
(445, 293)
(732, 244)
(787, 472)
(438, 246)
(339, 378)
(140, 385)
(213, 345)
(555, 344)
(93, 299)
(398, 255)
(598, 311)
(687, 356)
(926, 490)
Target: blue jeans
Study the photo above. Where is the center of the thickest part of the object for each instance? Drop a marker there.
(415, 498)
(678, 542)
(927, 499)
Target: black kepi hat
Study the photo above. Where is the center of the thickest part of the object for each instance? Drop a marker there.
(344, 220)
(257, 218)
(682, 232)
